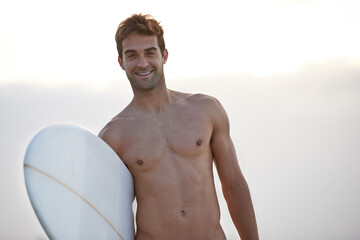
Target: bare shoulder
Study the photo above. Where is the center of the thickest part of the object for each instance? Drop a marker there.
(201, 98)
(112, 133)
(209, 105)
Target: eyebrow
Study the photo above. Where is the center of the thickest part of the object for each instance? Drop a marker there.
(150, 49)
(146, 50)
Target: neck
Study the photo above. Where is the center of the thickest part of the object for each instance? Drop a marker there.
(153, 100)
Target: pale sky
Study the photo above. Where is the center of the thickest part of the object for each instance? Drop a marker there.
(73, 41)
(287, 72)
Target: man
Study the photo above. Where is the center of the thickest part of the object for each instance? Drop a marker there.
(169, 141)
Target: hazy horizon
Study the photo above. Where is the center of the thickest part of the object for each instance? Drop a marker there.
(296, 135)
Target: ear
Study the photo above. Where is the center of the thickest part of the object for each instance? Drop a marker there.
(121, 63)
(165, 56)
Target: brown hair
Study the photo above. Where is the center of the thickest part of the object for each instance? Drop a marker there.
(141, 24)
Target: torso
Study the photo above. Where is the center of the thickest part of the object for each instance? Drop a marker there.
(169, 155)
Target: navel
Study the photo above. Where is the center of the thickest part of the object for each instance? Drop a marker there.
(182, 213)
(139, 162)
(199, 142)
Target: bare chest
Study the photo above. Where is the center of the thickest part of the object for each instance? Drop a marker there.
(147, 142)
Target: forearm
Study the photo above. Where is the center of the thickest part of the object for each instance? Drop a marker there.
(241, 210)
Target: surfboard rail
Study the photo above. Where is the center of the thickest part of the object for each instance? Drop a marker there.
(78, 186)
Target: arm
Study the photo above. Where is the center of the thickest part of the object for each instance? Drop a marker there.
(234, 186)
(111, 135)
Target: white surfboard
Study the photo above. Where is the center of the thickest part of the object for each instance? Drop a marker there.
(78, 186)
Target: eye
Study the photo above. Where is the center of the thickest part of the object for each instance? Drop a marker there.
(130, 57)
(130, 54)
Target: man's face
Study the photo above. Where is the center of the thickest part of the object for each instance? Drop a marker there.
(143, 61)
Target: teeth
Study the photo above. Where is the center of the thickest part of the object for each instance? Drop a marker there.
(143, 74)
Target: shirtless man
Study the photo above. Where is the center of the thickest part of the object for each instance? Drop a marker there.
(169, 141)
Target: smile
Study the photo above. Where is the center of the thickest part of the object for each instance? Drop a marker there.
(144, 74)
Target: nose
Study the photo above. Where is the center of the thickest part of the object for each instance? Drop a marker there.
(142, 63)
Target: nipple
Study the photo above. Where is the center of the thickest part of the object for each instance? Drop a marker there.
(139, 162)
(198, 142)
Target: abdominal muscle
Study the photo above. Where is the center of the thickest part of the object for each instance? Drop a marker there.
(177, 200)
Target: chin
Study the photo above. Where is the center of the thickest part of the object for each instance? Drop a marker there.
(144, 87)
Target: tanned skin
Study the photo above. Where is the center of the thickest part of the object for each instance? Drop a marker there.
(169, 142)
